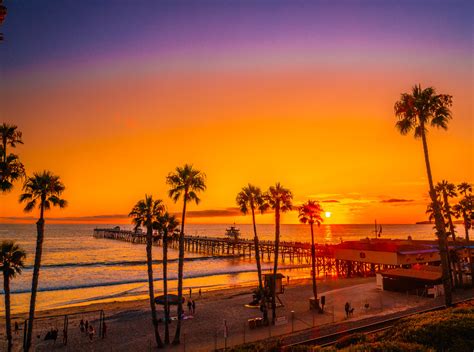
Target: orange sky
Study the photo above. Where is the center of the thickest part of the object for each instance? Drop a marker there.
(114, 129)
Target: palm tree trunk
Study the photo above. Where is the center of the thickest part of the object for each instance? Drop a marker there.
(180, 273)
(452, 258)
(275, 263)
(440, 230)
(257, 250)
(313, 265)
(8, 324)
(165, 285)
(36, 271)
(151, 290)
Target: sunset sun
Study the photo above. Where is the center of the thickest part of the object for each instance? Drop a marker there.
(328, 214)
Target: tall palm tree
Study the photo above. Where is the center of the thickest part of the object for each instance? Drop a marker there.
(43, 190)
(185, 182)
(146, 213)
(166, 225)
(310, 213)
(251, 197)
(12, 261)
(415, 112)
(280, 200)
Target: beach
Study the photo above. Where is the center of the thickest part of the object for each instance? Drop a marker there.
(129, 326)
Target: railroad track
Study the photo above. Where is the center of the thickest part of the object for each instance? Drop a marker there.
(330, 339)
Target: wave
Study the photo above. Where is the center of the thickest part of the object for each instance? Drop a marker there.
(121, 263)
(140, 281)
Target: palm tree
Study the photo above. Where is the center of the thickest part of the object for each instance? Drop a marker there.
(251, 197)
(12, 261)
(415, 112)
(42, 190)
(447, 190)
(146, 213)
(186, 182)
(10, 137)
(166, 225)
(11, 169)
(464, 210)
(310, 213)
(280, 200)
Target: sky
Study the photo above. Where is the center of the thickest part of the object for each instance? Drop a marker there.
(113, 95)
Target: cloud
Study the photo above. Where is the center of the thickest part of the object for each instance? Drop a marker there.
(330, 201)
(213, 213)
(396, 200)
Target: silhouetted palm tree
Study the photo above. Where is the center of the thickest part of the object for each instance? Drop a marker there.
(166, 225)
(12, 261)
(10, 136)
(415, 112)
(251, 197)
(146, 213)
(42, 190)
(464, 210)
(280, 200)
(186, 182)
(310, 213)
(11, 169)
(447, 190)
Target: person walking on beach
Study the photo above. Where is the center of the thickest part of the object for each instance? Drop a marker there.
(17, 328)
(87, 326)
(200, 292)
(104, 330)
(91, 331)
(347, 307)
(81, 326)
(190, 306)
(194, 306)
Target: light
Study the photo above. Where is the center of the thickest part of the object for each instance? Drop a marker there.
(328, 214)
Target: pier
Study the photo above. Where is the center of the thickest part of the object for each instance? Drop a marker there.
(352, 258)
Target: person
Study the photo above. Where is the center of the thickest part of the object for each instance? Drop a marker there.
(190, 306)
(323, 302)
(288, 279)
(190, 292)
(194, 306)
(17, 328)
(200, 292)
(347, 307)
(81, 326)
(87, 325)
(104, 329)
(91, 332)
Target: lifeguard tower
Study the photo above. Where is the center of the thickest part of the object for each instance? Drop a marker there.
(279, 288)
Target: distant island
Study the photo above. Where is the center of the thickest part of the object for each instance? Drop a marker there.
(457, 222)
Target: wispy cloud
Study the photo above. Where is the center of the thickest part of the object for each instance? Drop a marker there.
(330, 201)
(396, 200)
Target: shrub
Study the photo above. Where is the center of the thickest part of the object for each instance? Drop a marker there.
(350, 340)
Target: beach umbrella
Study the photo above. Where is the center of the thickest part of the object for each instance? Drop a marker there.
(172, 299)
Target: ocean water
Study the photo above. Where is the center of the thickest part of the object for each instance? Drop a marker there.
(78, 269)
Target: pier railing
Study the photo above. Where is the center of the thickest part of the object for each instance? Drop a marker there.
(295, 252)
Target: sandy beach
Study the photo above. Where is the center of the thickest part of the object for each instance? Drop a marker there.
(129, 326)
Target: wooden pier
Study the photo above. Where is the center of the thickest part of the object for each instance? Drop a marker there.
(298, 253)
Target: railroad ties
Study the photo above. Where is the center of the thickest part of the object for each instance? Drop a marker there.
(297, 253)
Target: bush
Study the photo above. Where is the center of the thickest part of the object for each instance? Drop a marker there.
(447, 330)
(387, 346)
(350, 340)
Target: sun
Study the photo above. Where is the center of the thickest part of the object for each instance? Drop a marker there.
(328, 214)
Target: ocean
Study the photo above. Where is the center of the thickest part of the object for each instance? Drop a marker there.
(78, 269)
